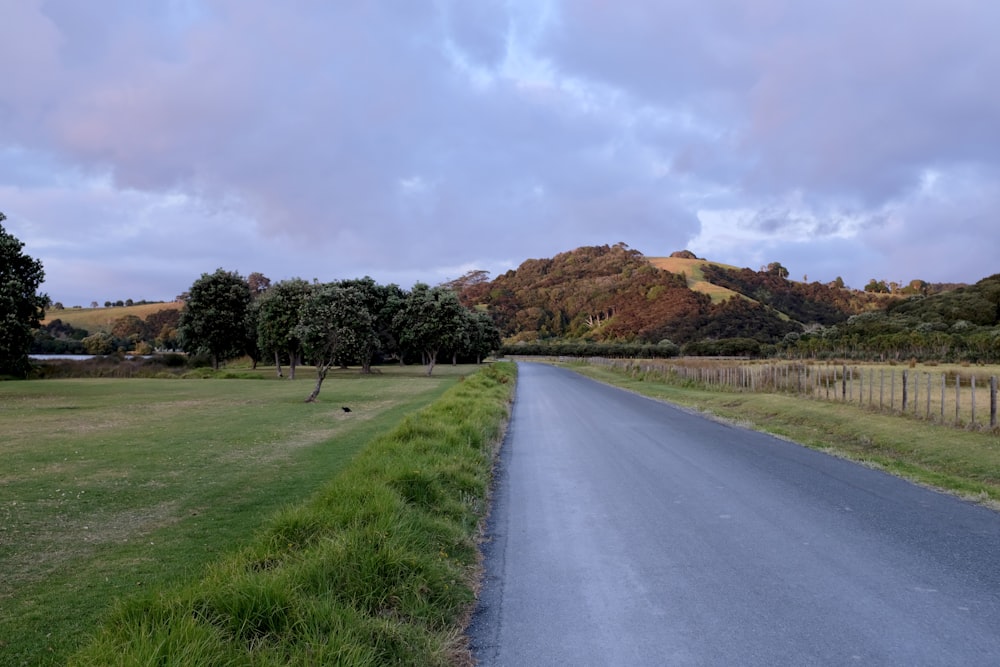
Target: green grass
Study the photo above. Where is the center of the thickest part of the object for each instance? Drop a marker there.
(377, 568)
(963, 462)
(109, 488)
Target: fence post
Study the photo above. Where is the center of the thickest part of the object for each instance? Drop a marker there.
(993, 401)
(881, 387)
(892, 390)
(944, 383)
(928, 411)
(973, 385)
(843, 384)
(904, 391)
(871, 381)
(958, 395)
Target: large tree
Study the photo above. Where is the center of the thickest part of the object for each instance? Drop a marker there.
(22, 307)
(431, 319)
(484, 335)
(382, 303)
(334, 324)
(214, 318)
(278, 310)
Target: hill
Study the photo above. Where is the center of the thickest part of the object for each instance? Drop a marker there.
(102, 319)
(616, 294)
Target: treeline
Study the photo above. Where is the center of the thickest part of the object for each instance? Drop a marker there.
(347, 322)
(120, 303)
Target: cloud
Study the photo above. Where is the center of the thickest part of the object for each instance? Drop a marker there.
(406, 140)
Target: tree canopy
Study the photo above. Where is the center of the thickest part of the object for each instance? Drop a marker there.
(22, 307)
(215, 317)
(334, 323)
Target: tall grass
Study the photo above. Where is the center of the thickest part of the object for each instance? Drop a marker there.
(378, 568)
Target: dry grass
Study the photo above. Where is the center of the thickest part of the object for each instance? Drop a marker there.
(692, 269)
(101, 319)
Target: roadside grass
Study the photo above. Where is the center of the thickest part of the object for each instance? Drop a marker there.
(963, 462)
(377, 568)
(112, 487)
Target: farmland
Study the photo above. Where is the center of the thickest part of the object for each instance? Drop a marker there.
(101, 319)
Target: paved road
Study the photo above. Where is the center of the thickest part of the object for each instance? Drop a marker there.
(628, 532)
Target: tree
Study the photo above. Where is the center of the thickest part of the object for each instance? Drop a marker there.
(278, 311)
(258, 282)
(129, 327)
(162, 328)
(22, 307)
(484, 336)
(214, 318)
(382, 303)
(430, 320)
(334, 323)
(99, 343)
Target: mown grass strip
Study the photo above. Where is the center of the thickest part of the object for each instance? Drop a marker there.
(966, 463)
(378, 568)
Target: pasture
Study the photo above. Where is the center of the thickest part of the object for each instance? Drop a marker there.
(101, 319)
(112, 487)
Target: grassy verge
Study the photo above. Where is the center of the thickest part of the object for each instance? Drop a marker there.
(377, 568)
(963, 462)
(112, 487)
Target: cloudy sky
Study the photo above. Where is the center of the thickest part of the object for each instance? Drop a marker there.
(145, 142)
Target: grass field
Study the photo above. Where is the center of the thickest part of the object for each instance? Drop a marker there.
(112, 487)
(965, 462)
(101, 319)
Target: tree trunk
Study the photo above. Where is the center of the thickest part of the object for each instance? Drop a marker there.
(431, 360)
(320, 376)
(215, 362)
(454, 359)
(277, 362)
(291, 364)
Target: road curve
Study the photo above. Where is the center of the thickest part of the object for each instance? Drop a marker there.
(625, 531)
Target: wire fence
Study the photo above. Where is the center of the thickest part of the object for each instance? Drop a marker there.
(959, 398)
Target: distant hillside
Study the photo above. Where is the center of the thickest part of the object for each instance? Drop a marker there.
(616, 294)
(692, 268)
(977, 305)
(102, 319)
(599, 292)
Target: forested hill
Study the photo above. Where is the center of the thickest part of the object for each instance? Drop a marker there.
(611, 293)
(615, 293)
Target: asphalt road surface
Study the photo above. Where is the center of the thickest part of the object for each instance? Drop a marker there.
(625, 531)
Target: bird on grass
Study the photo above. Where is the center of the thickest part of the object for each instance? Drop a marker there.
(345, 409)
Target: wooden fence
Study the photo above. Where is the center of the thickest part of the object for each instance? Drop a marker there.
(963, 399)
